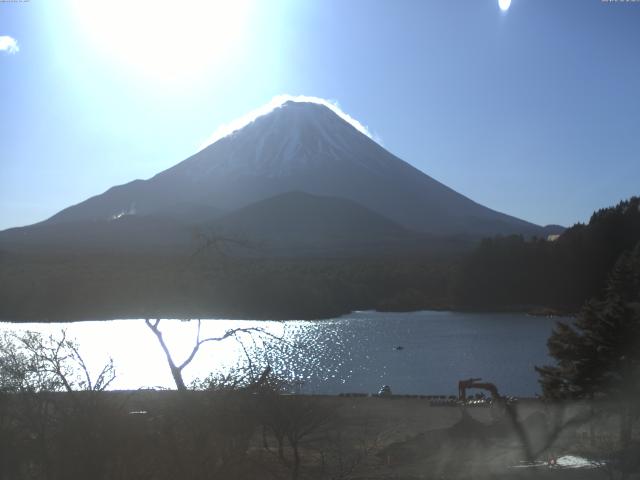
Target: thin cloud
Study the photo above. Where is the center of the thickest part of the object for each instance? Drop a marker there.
(277, 102)
(8, 44)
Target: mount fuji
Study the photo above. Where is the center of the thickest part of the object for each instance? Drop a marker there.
(300, 153)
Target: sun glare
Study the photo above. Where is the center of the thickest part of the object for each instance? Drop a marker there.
(504, 5)
(165, 40)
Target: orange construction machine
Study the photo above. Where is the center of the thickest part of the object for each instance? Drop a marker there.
(463, 385)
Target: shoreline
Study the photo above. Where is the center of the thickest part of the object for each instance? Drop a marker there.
(526, 310)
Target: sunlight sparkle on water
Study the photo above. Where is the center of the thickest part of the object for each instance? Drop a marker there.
(353, 353)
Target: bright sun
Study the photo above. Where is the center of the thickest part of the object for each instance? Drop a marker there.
(167, 40)
(504, 5)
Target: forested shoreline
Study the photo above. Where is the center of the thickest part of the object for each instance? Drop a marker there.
(501, 274)
(75, 287)
(561, 274)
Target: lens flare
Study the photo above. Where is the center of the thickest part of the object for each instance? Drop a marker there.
(504, 5)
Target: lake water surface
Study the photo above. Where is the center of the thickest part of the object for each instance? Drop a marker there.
(353, 353)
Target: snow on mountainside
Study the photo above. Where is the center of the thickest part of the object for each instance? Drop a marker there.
(304, 147)
(294, 137)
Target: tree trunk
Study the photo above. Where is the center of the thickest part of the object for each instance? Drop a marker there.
(592, 427)
(296, 462)
(177, 376)
(625, 426)
(281, 450)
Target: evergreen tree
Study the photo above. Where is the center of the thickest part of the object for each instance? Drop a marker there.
(598, 357)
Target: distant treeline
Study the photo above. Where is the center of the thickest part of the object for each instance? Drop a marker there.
(511, 272)
(65, 287)
(502, 273)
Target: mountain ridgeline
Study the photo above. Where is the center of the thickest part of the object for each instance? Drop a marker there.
(299, 155)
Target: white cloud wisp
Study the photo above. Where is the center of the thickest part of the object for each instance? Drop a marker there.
(8, 44)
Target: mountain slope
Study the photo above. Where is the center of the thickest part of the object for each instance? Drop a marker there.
(301, 147)
(128, 233)
(297, 223)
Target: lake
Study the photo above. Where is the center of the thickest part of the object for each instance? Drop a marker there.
(423, 352)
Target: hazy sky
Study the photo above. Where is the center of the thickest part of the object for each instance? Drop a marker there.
(534, 112)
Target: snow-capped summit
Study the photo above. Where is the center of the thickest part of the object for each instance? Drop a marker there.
(292, 138)
(303, 147)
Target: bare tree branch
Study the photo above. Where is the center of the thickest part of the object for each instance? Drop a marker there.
(176, 370)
